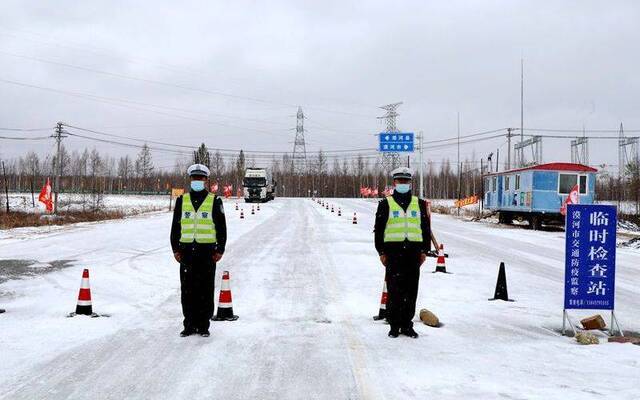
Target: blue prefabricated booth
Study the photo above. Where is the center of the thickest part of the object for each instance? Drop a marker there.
(537, 193)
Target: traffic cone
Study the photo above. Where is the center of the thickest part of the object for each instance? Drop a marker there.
(253, 211)
(440, 263)
(382, 313)
(83, 306)
(241, 214)
(339, 212)
(225, 306)
(501, 286)
(355, 219)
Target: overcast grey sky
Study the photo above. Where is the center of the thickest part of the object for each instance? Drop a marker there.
(231, 73)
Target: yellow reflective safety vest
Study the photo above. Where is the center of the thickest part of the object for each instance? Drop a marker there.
(403, 225)
(197, 226)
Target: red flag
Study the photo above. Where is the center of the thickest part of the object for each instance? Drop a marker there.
(45, 196)
(572, 198)
(214, 187)
(228, 191)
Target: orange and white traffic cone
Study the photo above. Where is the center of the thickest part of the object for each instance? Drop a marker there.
(440, 263)
(241, 214)
(83, 306)
(382, 313)
(355, 219)
(225, 304)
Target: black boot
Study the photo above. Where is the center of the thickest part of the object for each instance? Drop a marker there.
(203, 332)
(187, 332)
(394, 332)
(410, 332)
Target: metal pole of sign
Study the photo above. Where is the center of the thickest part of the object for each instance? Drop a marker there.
(421, 168)
(565, 318)
(615, 320)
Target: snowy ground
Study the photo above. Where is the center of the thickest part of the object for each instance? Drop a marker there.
(305, 284)
(131, 204)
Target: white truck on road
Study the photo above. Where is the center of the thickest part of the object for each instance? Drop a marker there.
(258, 185)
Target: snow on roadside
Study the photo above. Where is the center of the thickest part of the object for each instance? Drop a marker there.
(130, 204)
(132, 271)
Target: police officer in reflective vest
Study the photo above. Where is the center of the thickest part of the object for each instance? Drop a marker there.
(402, 239)
(198, 237)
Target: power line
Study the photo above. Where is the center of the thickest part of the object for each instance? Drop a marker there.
(131, 105)
(25, 138)
(26, 130)
(194, 147)
(170, 67)
(173, 85)
(577, 130)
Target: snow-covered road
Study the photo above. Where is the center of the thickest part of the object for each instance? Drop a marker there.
(305, 283)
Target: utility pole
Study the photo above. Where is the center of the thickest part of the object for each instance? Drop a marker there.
(421, 166)
(458, 143)
(459, 186)
(6, 185)
(57, 165)
(459, 165)
(508, 148)
(521, 109)
(481, 186)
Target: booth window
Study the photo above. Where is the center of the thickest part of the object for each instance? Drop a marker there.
(583, 184)
(518, 182)
(567, 182)
(507, 183)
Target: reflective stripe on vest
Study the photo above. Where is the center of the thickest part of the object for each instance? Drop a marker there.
(403, 225)
(197, 226)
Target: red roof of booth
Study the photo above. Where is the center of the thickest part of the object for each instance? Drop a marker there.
(556, 166)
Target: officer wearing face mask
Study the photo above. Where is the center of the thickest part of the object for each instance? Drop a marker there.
(402, 239)
(198, 237)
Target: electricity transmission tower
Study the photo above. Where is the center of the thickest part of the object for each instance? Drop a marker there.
(390, 161)
(299, 159)
(535, 143)
(626, 158)
(580, 150)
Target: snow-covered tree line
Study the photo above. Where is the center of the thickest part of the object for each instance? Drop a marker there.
(91, 170)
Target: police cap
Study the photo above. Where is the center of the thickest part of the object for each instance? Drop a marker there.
(401, 173)
(198, 170)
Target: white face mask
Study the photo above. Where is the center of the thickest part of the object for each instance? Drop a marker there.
(403, 187)
(197, 186)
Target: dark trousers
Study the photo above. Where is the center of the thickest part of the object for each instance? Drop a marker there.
(403, 275)
(197, 275)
